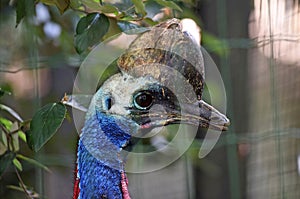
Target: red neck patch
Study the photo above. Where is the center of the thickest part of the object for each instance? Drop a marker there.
(76, 185)
(124, 184)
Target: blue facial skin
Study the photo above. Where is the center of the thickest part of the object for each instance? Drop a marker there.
(107, 130)
(100, 162)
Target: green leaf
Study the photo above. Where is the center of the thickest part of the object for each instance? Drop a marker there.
(150, 21)
(25, 8)
(33, 162)
(22, 135)
(6, 160)
(109, 9)
(62, 5)
(131, 28)
(3, 138)
(75, 4)
(3, 142)
(15, 142)
(90, 4)
(139, 7)
(169, 4)
(18, 164)
(89, 31)
(125, 17)
(99, 7)
(44, 124)
(6, 123)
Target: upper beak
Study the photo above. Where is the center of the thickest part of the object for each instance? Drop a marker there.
(198, 114)
(205, 116)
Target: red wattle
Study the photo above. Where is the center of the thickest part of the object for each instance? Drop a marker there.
(76, 185)
(124, 184)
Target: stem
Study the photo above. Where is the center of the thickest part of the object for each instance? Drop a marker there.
(22, 184)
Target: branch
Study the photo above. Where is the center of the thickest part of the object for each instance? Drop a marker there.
(22, 184)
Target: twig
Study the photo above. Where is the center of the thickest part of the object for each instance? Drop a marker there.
(22, 184)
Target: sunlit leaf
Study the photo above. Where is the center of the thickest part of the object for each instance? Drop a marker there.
(6, 123)
(17, 164)
(131, 28)
(150, 21)
(3, 142)
(113, 30)
(44, 124)
(22, 135)
(11, 111)
(91, 4)
(75, 4)
(6, 160)
(99, 7)
(109, 9)
(3, 148)
(127, 18)
(169, 4)
(15, 142)
(24, 8)
(33, 162)
(89, 31)
(62, 5)
(139, 7)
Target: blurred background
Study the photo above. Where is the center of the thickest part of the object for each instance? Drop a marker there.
(255, 45)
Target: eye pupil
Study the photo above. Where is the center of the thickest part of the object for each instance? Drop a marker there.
(143, 100)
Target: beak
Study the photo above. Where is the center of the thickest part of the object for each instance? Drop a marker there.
(204, 115)
(199, 114)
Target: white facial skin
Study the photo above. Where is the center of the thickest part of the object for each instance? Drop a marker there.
(120, 88)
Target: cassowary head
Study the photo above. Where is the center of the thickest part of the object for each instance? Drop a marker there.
(160, 83)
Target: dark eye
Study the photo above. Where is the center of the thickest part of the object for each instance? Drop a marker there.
(143, 100)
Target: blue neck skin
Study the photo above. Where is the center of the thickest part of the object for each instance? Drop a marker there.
(100, 161)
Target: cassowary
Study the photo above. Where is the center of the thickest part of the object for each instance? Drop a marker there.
(160, 83)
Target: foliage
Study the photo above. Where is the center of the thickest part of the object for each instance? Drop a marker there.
(44, 124)
(97, 15)
(90, 29)
(98, 20)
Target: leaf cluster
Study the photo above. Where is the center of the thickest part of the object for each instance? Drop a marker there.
(98, 20)
(97, 17)
(35, 133)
